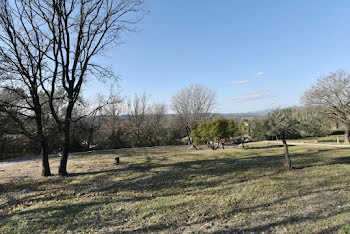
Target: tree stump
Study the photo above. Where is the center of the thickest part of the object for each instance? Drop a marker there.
(117, 161)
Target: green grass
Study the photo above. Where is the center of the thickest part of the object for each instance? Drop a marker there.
(173, 189)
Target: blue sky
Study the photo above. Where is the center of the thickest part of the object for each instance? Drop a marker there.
(255, 54)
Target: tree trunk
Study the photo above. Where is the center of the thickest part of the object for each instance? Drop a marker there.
(188, 131)
(288, 163)
(62, 170)
(150, 142)
(346, 135)
(89, 142)
(2, 147)
(45, 171)
(138, 134)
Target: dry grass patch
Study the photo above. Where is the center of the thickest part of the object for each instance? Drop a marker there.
(172, 189)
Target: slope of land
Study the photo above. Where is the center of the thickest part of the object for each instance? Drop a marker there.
(173, 189)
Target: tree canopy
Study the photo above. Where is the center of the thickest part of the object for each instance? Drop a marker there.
(331, 94)
(212, 132)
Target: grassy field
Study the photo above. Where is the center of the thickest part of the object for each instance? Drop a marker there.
(173, 189)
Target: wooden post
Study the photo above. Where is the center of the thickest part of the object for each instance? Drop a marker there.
(117, 161)
(337, 139)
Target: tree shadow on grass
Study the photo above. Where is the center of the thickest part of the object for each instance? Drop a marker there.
(341, 160)
(68, 216)
(264, 147)
(308, 162)
(213, 166)
(311, 217)
(174, 178)
(291, 218)
(157, 177)
(184, 174)
(168, 179)
(109, 171)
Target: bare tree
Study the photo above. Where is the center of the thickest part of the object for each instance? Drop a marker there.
(23, 107)
(93, 117)
(331, 94)
(137, 109)
(154, 123)
(3, 139)
(22, 69)
(110, 129)
(55, 44)
(113, 110)
(194, 105)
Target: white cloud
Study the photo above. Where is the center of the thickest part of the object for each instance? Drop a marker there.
(256, 95)
(239, 82)
(260, 73)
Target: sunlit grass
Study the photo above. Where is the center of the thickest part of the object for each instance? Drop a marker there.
(173, 189)
(332, 139)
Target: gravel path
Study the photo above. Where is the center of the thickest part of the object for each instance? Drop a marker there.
(310, 144)
(22, 160)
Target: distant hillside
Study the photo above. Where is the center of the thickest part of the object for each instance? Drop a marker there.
(243, 115)
(237, 116)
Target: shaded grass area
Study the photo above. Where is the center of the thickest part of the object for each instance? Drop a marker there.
(172, 189)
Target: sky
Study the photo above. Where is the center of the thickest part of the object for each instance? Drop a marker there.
(255, 54)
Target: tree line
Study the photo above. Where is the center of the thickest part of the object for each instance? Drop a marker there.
(325, 105)
(50, 50)
(116, 122)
